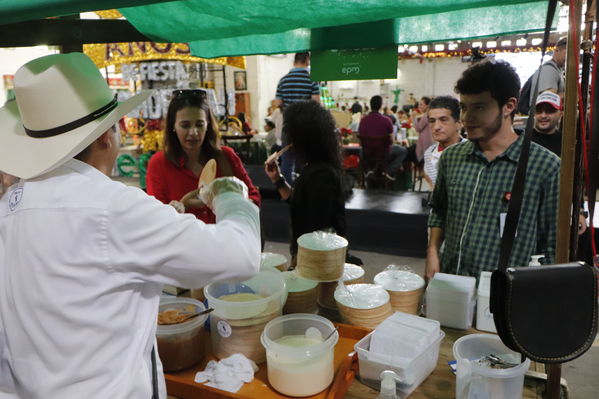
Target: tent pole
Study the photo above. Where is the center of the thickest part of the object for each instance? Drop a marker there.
(566, 174)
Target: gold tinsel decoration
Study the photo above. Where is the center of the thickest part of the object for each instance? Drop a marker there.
(449, 54)
(152, 140)
(104, 54)
(109, 14)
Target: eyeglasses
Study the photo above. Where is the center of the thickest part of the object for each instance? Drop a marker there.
(201, 94)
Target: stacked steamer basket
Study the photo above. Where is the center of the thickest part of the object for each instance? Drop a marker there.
(241, 310)
(364, 305)
(404, 287)
(352, 274)
(321, 256)
(301, 294)
(269, 260)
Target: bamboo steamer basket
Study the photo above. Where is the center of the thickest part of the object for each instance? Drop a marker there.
(241, 336)
(236, 327)
(197, 293)
(302, 294)
(352, 274)
(363, 305)
(321, 256)
(404, 287)
(272, 260)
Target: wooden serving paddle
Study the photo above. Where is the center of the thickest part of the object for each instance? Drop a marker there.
(190, 200)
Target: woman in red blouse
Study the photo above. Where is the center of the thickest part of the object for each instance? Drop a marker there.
(190, 140)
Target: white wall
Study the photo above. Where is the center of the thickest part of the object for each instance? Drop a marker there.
(263, 74)
(13, 58)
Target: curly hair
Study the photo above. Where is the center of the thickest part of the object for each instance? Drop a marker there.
(495, 76)
(311, 130)
(172, 147)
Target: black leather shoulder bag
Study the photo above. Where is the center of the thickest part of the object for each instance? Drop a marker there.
(546, 313)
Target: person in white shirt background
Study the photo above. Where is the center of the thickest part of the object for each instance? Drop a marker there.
(83, 258)
(444, 122)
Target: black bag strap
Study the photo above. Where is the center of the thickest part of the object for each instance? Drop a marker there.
(154, 375)
(513, 213)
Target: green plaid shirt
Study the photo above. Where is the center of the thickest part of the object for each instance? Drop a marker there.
(471, 192)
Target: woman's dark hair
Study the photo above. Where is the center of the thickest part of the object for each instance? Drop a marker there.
(495, 76)
(311, 130)
(426, 100)
(172, 147)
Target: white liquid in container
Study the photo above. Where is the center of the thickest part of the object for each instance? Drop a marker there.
(298, 375)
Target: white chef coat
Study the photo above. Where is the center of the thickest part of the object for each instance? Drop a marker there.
(82, 264)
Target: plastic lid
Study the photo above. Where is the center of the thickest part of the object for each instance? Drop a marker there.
(399, 280)
(451, 282)
(361, 296)
(270, 260)
(321, 241)
(296, 283)
(352, 272)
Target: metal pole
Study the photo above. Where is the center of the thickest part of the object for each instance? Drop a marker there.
(225, 90)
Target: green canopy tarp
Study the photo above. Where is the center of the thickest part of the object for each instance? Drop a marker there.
(223, 28)
(216, 28)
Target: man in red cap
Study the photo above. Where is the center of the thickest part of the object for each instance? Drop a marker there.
(548, 113)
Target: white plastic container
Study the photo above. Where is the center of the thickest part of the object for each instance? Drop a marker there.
(181, 345)
(236, 326)
(474, 380)
(299, 361)
(450, 299)
(484, 317)
(411, 374)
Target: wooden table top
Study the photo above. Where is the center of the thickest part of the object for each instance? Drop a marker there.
(441, 383)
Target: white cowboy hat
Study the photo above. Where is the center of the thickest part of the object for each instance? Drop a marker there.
(62, 105)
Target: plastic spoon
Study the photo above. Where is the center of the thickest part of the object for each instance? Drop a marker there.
(314, 333)
(189, 317)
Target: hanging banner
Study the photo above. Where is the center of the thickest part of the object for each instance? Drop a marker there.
(104, 54)
(356, 64)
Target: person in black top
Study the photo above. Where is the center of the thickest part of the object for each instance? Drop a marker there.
(548, 113)
(316, 201)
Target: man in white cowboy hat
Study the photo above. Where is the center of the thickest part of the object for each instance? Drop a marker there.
(83, 258)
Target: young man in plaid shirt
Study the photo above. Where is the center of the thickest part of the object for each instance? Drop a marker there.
(474, 184)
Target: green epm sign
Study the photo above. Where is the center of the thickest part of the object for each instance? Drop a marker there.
(356, 64)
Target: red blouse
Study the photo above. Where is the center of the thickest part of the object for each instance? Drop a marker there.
(167, 182)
